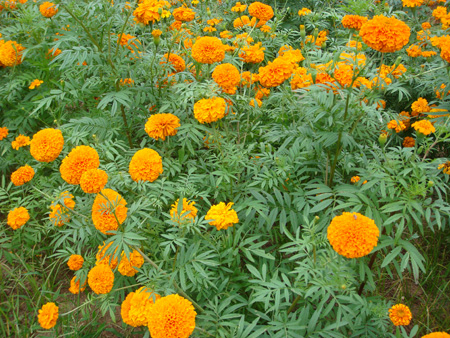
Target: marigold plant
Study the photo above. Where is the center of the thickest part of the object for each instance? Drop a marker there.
(22, 175)
(48, 9)
(18, 217)
(159, 126)
(92, 181)
(48, 315)
(209, 110)
(208, 50)
(79, 160)
(146, 165)
(136, 306)
(400, 315)
(101, 279)
(46, 145)
(75, 262)
(222, 216)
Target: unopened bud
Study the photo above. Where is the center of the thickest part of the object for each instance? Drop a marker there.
(382, 139)
(397, 62)
(343, 286)
(315, 33)
(302, 31)
(208, 11)
(430, 184)
(160, 10)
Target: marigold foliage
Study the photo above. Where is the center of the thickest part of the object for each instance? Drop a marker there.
(93, 181)
(400, 315)
(188, 211)
(222, 216)
(227, 77)
(101, 279)
(22, 175)
(208, 50)
(146, 165)
(79, 160)
(75, 286)
(46, 145)
(75, 262)
(127, 267)
(136, 306)
(17, 217)
(48, 315)
(48, 9)
(108, 205)
(424, 127)
(353, 235)
(159, 126)
(171, 316)
(209, 110)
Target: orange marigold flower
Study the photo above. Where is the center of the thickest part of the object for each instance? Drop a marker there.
(10, 53)
(53, 53)
(290, 54)
(108, 205)
(226, 35)
(412, 3)
(343, 73)
(188, 210)
(75, 262)
(265, 29)
(301, 79)
(222, 216)
(59, 214)
(247, 79)
(385, 34)
(159, 126)
(304, 11)
(420, 106)
(439, 12)
(48, 9)
(35, 83)
(126, 82)
(414, 51)
(148, 10)
(75, 286)
(353, 235)
(92, 181)
(275, 73)
(48, 315)
(424, 127)
(409, 142)
(101, 279)
(209, 110)
(354, 21)
(176, 61)
(22, 175)
(20, 141)
(79, 160)
(136, 306)
(208, 50)
(252, 54)
(46, 145)
(255, 101)
(102, 258)
(171, 316)
(355, 179)
(238, 7)
(426, 25)
(17, 217)
(183, 14)
(398, 126)
(445, 167)
(3, 133)
(146, 165)
(244, 21)
(156, 33)
(260, 11)
(227, 77)
(437, 335)
(127, 267)
(400, 315)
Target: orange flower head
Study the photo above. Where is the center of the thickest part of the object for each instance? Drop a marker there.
(408, 142)
(127, 266)
(176, 62)
(146, 165)
(59, 214)
(10, 53)
(400, 315)
(18, 217)
(156, 33)
(275, 73)
(260, 11)
(188, 212)
(439, 12)
(304, 11)
(20, 141)
(75, 262)
(301, 79)
(353, 235)
(159, 126)
(48, 315)
(209, 110)
(252, 54)
(75, 286)
(92, 181)
(208, 50)
(22, 175)
(136, 306)
(412, 3)
(79, 160)
(103, 258)
(222, 216)
(183, 14)
(48, 9)
(238, 7)
(35, 83)
(3, 133)
(107, 211)
(354, 21)
(424, 127)
(437, 335)
(420, 106)
(101, 279)
(227, 77)
(355, 179)
(46, 145)
(148, 11)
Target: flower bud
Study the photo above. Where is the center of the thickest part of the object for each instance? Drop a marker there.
(302, 31)
(382, 139)
(430, 184)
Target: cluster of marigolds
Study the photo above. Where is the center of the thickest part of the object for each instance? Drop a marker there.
(352, 235)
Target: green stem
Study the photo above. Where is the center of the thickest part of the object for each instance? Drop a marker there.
(291, 308)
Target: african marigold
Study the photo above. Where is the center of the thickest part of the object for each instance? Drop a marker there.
(92, 181)
(79, 160)
(3, 133)
(136, 305)
(22, 175)
(75, 262)
(209, 110)
(148, 11)
(355, 179)
(301, 79)
(127, 266)
(20, 141)
(409, 142)
(183, 14)
(101, 279)
(60, 214)
(227, 77)
(188, 210)
(102, 258)
(439, 12)
(445, 167)
(353, 235)
(437, 335)
(275, 73)
(176, 62)
(171, 316)
(46, 145)
(252, 54)
(208, 50)
(108, 208)
(48, 9)
(238, 7)
(385, 34)
(260, 11)
(75, 286)
(48, 315)
(10, 53)
(146, 165)
(292, 55)
(304, 11)
(424, 127)
(343, 73)
(412, 3)
(35, 83)
(18, 217)
(420, 106)
(400, 315)
(354, 21)
(159, 126)
(222, 216)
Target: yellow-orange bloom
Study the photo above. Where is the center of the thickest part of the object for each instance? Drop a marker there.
(48, 315)
(171, 316)
(252, 54)
(385, 34)
(136, 305)
(48, 9)
(275, 73)
(409, 142)
(353, 21)
(209, 110)
(46, 145)
(208, 50)
(148, 11)
(304, 11)
(59, 214)
(437, 335)
(146, 165)
(424, 127)
(106, 210)
(400, 315)
(75, 262)
(101, 279)
(127, 267)
(238, 7)
(183, 14)
(35, 83)
(353, 235)
(355, 179)
(75, 286)
(260, 11)
(3, 133)
(445, 167)
(17, 217)
(176, 61)
(20, 141)
(10, 53)
(301, 79)
(79, 160)
(22, 175)
(227, 77)
(102, 258)
(92, 181)
(412, 3)
(159, 126)
(420, 106)
(187, 212)
(222, 216)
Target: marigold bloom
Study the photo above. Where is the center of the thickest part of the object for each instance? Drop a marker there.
(252, 54)
(20, 141)
(209, 110)
(136, 306)
(437, 335)
(414, 51)
(385, 34)
(397, 126)
(79, 160)
(75, 286)
(254, 102)
(227, 77)
(355, 179)
(353, 235)
(260, 11)
(46, 145)
(301, 79)
(176, 61)
(439, 12)
(3, 133)
(188, 211)
(148, 10)
(103, 258)
(22, 175)
(290, 54)
(92, 181)
(146, 165)
(101, 279)
(412, 3)
(409, 142)
(304, 11)
(75, 262)
(48, 9)
(17, 217)
(59, 214)
(35, 83)
(400, 315)
(222, 216)
(171, 316)
(238, 7)
(420, 106)
(445, 167)
(48, 315)
(424, 127)
(275, 73)
(159, 126)
(343, 73)
(156, 33)
(183, 14)
(106, 210)
(208, 50)
(354, 21)
(244, 20)
(127, 267)
(10, 53)
(52, 53)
